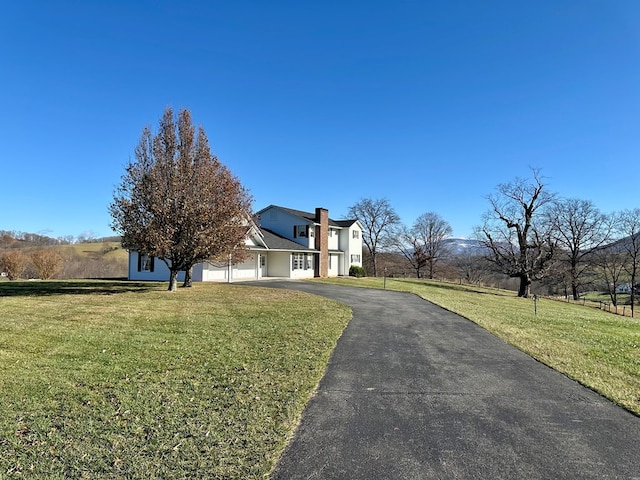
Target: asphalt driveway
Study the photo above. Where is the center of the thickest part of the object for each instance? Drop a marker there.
(413, 391)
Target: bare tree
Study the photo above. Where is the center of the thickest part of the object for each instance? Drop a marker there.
(471, 267)
(611, 264)
(178, 202)
(410, 248)
(580, 229)
(629, 229)
(516, 233)
(13, 263)
(432, 230)
(48, 263)
(378, 220)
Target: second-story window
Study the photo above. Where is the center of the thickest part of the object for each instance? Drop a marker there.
(300, 231)
(355, 234)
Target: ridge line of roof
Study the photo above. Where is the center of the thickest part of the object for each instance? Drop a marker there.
(311, 216)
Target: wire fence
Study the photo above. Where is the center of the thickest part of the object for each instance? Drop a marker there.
(623, 310)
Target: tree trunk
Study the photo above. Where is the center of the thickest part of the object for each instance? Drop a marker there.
(187, 278)
(525, 286)
(633, 293)
(574, 291)
(173, 280)
(431, 269)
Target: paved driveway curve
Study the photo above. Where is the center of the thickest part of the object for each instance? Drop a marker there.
(413, 391)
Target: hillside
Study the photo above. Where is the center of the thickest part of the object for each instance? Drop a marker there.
(102, 258)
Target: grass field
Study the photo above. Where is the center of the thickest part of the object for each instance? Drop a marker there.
(94, 250)
(599, 349)
(125, 380)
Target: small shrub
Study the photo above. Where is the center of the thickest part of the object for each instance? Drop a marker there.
(48, 263)
(356, 271)
(106, 248)
(13, 263)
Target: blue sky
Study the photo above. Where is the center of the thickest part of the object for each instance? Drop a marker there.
(322, 103)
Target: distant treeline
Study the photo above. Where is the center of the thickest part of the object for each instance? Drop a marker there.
(15, 239)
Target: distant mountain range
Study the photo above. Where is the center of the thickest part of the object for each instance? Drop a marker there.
(621, 246)
(464, 246)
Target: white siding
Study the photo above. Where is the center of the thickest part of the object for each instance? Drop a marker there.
(282, 223)
(245, 270)
(350, 246)
(197, 273)
(355, 245)
(214, 273)
(308, 270)
(334, 236)
(220, 272)
(202, 272)
(160, 270)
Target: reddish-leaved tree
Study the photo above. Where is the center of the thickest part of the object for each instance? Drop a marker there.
(178, 202)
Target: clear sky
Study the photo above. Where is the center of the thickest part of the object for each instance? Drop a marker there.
(429, 104)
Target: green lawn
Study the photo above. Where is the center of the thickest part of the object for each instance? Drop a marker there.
(126, 380)
(599, 349)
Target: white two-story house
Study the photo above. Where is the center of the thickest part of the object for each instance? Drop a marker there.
(282, 243)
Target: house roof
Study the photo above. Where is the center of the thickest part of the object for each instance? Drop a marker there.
(345, 223)
(278, 242)
(311, 217)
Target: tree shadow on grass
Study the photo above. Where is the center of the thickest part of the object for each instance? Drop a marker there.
(37, 288)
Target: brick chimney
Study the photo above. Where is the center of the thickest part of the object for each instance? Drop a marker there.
(322, 241)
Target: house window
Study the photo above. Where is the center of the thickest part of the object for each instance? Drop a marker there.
(300, 231)
(355, 234)
(297, 261)
(145, 263)
(355, 258)
(301, 261)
